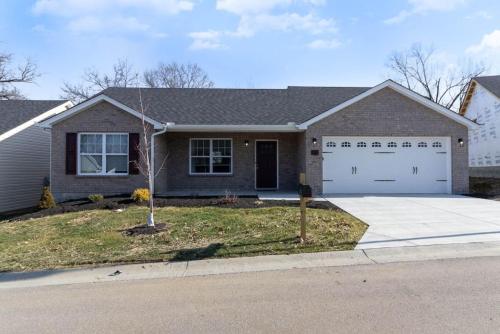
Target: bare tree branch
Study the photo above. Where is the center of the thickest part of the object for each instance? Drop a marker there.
(9, 77)
(122, 75)
(176, 75)
(144, 165)
(419, 69)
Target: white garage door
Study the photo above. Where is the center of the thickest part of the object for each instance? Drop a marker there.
(386, 165)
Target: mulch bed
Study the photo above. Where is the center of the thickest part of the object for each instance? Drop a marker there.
(144, 230)
(485, 187)
(115, 203)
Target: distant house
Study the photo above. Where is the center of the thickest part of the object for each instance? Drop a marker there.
(482, 104)
(381, 139)
(24, 150)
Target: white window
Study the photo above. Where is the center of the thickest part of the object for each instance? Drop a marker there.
(406, 144)
(103, 154)
(361, 144)
(376, 144)
(422, 144)
(331, 144)
(392, 144)
(437, 144)
(346, 144)
(211, 156)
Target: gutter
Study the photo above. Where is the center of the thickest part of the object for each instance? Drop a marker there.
(152, 176)
(290, 127)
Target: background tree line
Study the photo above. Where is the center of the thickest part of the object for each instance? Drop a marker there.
(417, 68)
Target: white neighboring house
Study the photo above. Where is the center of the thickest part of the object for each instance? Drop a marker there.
(482, 104)
(24, 150)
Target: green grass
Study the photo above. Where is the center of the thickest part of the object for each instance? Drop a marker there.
(95, 237)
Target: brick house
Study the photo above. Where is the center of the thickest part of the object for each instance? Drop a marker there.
(383, 139)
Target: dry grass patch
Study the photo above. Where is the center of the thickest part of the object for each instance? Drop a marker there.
(96, 237)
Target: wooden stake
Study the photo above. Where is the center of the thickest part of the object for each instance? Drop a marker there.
(303, 217)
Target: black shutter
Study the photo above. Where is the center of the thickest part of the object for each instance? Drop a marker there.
(71, 153)
(133, 153)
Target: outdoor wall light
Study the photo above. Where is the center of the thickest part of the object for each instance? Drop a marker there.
(315, 141)
(461, 142)
(246, 143)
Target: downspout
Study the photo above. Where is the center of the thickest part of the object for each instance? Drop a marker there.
(153, 172)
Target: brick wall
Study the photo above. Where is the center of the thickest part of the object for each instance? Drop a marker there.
(102, 117)
(176, 176)
(388, 113)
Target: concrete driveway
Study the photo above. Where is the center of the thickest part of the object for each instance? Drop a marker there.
(410, 220)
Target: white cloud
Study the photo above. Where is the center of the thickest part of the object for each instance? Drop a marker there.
(480, 14)
(206, 40)
(104, 16)
(79, 7)
(490, 43)
(324, 44)
(316, 2)
(96, 24)
(241, 7)
(260, 15)
(309, 23)
(424, 6)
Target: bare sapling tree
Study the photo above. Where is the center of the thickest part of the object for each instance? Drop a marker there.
(144, 165)
(421, 70)
(122, 75)
(176, 75)
(11, 75)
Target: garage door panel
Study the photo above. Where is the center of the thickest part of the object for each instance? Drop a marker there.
(386, 164)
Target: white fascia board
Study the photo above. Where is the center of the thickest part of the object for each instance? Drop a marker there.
(402, 90)
(291, 127)
(54, 111)
(95, 100)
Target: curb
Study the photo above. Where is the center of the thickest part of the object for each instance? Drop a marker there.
(247, 264)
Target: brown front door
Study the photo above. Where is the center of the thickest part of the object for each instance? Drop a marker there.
(266, 164)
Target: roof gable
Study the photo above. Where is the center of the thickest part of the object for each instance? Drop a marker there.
(400, 89)
(253, 109)
(17, 115)
(490, 83)
(92, 102)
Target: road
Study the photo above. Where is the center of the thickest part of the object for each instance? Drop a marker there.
(446, 296)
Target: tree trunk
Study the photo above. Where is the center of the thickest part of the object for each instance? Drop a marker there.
(151, 218)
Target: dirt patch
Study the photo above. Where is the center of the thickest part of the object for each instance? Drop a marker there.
(144, 230)
(485, 187)
(114, 203)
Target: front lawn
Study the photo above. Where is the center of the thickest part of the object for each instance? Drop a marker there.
(96, 236)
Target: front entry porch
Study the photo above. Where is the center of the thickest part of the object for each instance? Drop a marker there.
(213, 164)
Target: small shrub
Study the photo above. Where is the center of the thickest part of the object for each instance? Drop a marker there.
(94, 198)
(46, 200)
(140, 195)
(228, 199)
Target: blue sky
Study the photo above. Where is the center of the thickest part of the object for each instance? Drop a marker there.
(245, 43)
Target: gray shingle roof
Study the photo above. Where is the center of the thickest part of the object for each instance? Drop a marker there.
(16, 112)
(219, 106)
(491, 83)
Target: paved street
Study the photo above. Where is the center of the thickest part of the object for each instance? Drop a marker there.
(445, 296)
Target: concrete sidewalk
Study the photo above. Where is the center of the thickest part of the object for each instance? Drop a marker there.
(247, 264)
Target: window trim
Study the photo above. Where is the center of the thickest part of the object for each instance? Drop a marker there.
(211, 156)
(103, 154)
